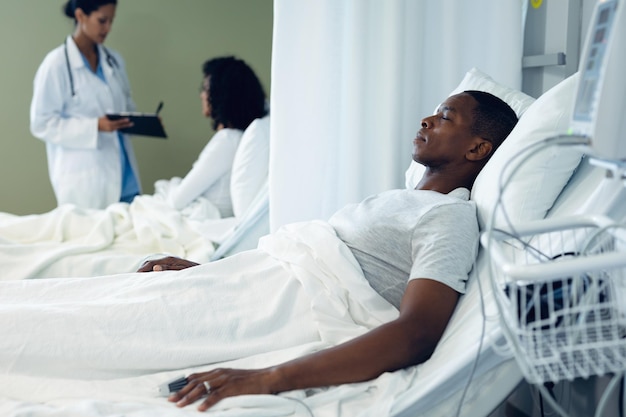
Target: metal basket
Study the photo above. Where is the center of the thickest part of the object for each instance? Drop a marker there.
(560, 290)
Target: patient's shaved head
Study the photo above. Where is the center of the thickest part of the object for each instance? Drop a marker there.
(456, 142)
(493, 118)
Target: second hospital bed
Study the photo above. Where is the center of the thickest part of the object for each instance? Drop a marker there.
(73, 242)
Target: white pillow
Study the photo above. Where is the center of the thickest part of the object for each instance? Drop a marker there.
(251, 165)
(538, 182)
(475, 79)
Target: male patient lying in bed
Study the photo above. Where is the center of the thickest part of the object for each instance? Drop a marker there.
(415, 248)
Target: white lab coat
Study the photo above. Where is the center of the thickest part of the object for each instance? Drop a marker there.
(83, 163)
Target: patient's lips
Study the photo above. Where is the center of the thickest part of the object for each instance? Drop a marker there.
(419, 138)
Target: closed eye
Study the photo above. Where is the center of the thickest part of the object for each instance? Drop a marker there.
(444, 112)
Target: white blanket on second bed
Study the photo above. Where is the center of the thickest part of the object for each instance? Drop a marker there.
(73, 242)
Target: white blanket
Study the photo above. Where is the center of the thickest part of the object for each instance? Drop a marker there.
(73, 242)
(100, 346)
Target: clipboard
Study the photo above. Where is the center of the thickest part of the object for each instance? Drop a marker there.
(144, 124)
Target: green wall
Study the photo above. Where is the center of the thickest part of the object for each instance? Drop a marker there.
(164, 44)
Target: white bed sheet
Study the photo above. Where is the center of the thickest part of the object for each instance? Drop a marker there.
(123, 376)
(73, 242)
(309, 255)
(97, 373)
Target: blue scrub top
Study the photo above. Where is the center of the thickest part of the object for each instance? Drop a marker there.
(130, 186)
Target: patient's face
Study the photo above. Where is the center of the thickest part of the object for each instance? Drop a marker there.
(445, 137)
(204, 97)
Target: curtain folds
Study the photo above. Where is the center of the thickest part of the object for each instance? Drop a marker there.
(351, 80)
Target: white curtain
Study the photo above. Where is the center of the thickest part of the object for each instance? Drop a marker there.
(351, 80)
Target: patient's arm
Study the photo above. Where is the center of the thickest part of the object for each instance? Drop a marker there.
(410, 339)
(168, 263)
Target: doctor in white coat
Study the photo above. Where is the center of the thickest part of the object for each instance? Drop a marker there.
(91, 164)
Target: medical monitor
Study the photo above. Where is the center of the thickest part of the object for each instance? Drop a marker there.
(600, 107)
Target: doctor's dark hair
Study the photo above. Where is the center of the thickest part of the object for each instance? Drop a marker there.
(494, 119)
(86, 6)
(235, 94)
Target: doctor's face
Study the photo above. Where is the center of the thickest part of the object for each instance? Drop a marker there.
(97, 25)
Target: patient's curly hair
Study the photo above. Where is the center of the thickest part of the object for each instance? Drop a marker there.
(493, 118)
(235, 94)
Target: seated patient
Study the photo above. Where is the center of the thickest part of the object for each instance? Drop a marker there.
(232, 96)
(414, 247)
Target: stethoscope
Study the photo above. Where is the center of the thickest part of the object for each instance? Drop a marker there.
(109, 58)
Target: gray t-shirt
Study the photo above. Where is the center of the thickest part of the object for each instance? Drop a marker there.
(401, 235)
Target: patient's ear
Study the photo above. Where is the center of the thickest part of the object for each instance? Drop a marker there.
(481, 149)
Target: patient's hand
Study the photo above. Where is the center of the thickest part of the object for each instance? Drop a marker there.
(169, 263)
(218, 384)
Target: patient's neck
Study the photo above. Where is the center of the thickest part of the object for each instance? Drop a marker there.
(444, 182)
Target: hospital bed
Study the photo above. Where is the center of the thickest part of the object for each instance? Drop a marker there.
(249, 192)
(471, 371)
(558, 182)
(252, 225)
(69, 241)
(469, 374)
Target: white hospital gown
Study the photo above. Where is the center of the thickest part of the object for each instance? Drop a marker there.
(210, 174)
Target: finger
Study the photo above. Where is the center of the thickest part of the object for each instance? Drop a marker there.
(192, 381)
(220, 389)
(186, 264)
(144, 267)
(185, 391)
(176, 396)
(178, 267)
(158, 268)
(197, 392)
(212, 398)
(122, 123)
(147, 266)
